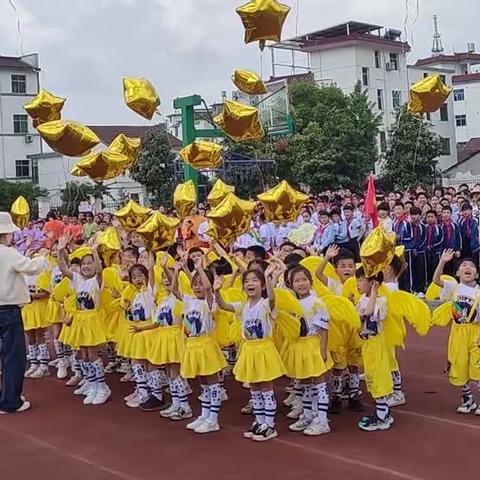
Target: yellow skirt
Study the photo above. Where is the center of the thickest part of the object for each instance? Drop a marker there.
(55, 312)
(66, 337)
(167, 345)
(302, 358)
(464, 354)
(378, 376)
(258, 361)
(202, 356)
(133, 345)
(112, 324)
(87, 329)
(35, 315)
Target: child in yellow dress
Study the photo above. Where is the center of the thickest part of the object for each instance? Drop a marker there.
(464, 312)
(372, 310)
(259, 362)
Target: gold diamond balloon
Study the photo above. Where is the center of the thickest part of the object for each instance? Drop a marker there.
(44, 107)
(240, 122)
(20, 212)
(68, 138)
(158, 231)
(282, 203)
(377, 251)
(132, 215)
(219, 191)
(103, 165)
(201, 154)
(231, 218)
(428, 95)
(263, 20)
(249, 82)
(184, 198)
(141, 96)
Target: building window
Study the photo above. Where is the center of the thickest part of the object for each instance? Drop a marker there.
(365, 76)
(378, 59)
(429, 117)
(380, 99)
(444, 113)
(22, 168)
(20, 124)
(383, 142)
(443, 78)
(445, 146)
(35, 172)
(19, 84)
(459, 95)
(394, 61)
(460, 120)
(396, 99)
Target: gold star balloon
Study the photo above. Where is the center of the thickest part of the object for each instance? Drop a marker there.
(77, 172)
(248, 82)
(141, 96)
(158, 231)
(44, 107)
(68, 138)
(109, 245)
(229, 219)
(263, 20)
(282, 203)
(240, 122)
(103, 165)
(219, 191)
(377, 251)
(200, 154)
(132, 215)
(128, 146)
(20, 212)
(428, 95)
(184, 198)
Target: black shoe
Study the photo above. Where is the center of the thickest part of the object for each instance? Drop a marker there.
(264, 434)
(335, 406)
(356, 405)
(252, 431)
(153, 404)
(373, 423)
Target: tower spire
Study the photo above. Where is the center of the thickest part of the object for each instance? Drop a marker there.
(437, 46)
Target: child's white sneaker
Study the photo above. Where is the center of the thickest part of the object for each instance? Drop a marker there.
(102, 395)
(196, 423)
(40, 372)
(208, 426)
(91, 394)
(396, 399)
(468, 405)
(317, 427)
(62, 371)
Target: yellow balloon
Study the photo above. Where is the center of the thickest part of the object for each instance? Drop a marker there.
(103, 165)
(20, 212)
(141, 96)
(132, 215)
(109, 245)
(282, 203)
(80, 252)
(184, 198)
(428, 95)
(240, 122)
(219, 191)
(77, 172)
(263, 20)
(200, 154)
(44, 107)
(231, 218)
(248, 82)
(377, 251)
(128, 146)
(68, 138)
(158, 231)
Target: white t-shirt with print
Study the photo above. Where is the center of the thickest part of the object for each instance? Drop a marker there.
(197, 317)
(315, 316)
(164, 312)
(257, 319)
(372, 324)
(87, 292)
(142, 306)
(463, 299)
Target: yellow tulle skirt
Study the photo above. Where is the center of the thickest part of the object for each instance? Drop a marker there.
(463, 354)
(55, 313)
(135, 346)
(66, 337)
(258, 361)
(202, 356)
(302, 358)
(376, 365)
(87, 329)
(35, 315)
(167, 345)
(112, 324)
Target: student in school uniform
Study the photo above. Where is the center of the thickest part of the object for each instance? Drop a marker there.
(452, 240)
(355, 229)
(434, 243)
(468, 226)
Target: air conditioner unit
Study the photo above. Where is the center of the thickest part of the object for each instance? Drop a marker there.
(28, 138)
(390, 66)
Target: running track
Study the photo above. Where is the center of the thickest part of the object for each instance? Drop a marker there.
(60, 438)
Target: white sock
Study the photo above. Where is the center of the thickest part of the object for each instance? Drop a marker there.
(336, 385)
(99, 372)
(174, 393)
(397, 381)
(181, 390)
(353, 385)
(59, 349)
(33, 354)
(205, 402)
(43, 354)
(258, 407)
(215, 402)
(270, 405)
(381, 407)
(140, 379)
(307, 401)
(155, 383)
(322, 400)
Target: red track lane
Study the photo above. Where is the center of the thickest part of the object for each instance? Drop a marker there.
(60, 437)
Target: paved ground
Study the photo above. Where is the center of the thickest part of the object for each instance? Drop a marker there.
(60, 438)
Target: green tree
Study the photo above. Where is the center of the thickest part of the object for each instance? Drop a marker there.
(412, 151)
(76, 192)
(155, 167)
(10, 191)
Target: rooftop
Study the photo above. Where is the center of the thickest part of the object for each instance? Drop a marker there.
(15, 63)
(471, 148)
(450, 58)
(469, 77)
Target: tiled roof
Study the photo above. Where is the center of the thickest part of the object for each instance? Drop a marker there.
(14, 63)
(471, 148)
(456, 57)
(469, 77)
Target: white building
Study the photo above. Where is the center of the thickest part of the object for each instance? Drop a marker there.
(19, 83)
(375, 56)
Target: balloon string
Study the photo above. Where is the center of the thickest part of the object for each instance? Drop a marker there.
(19, 25)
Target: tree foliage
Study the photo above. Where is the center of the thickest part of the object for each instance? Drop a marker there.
(76, 192)
(10, 191)
(412, 151)
(155, 167)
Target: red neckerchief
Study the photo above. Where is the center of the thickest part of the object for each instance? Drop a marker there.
(468, 228)
(449, 225)
(399, 222)
(321, 228)
(415, 230)
(430, 229)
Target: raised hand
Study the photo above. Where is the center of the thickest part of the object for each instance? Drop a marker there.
(447, 255)
(332, 251)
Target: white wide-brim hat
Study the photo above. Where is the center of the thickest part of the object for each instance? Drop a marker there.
(6, 224)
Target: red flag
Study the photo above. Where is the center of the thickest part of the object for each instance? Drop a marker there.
(370, 206)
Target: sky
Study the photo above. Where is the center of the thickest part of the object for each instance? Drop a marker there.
(188, 46)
